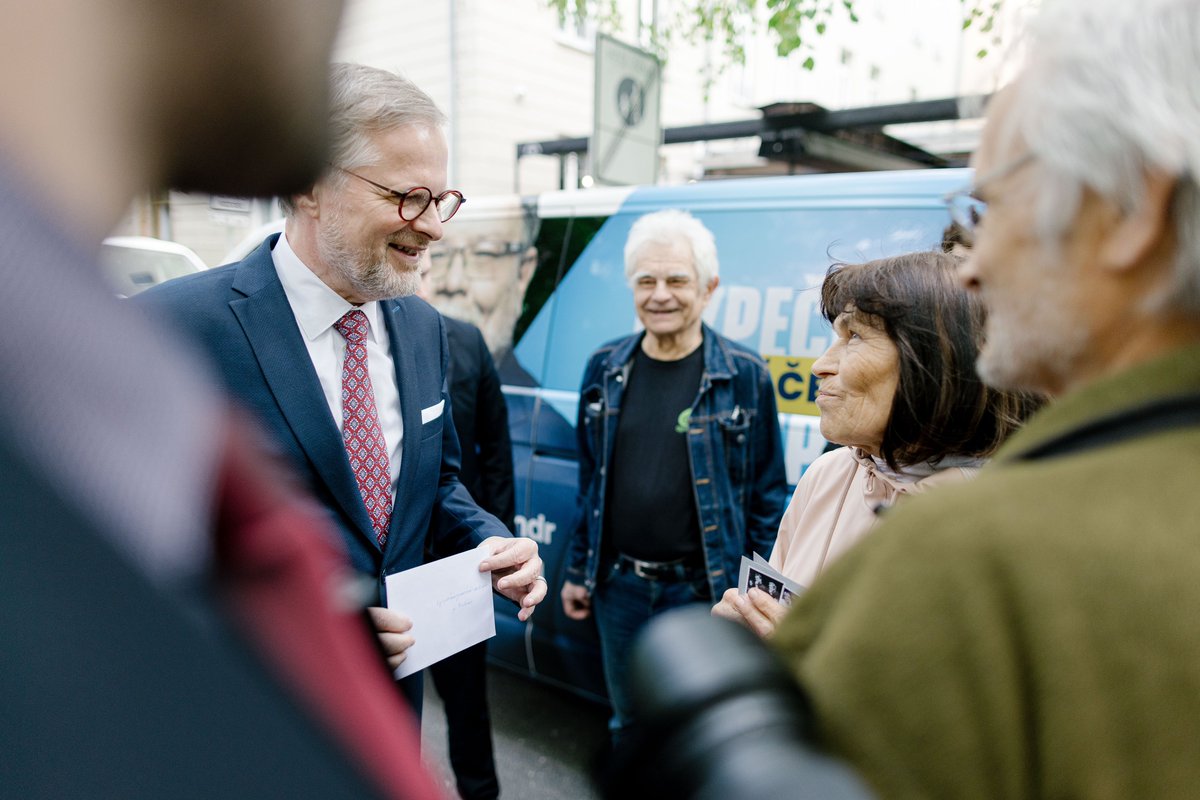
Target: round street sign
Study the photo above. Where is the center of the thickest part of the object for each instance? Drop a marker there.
(631, 102)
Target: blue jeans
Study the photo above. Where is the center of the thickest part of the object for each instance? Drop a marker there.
(623, 603)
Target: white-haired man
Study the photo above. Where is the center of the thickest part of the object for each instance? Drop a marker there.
(319, 331)
(680, 456)
(1032, 634)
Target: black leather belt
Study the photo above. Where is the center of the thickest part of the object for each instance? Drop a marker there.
(678, 570)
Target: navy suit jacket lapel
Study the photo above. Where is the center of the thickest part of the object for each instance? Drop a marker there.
(396, 321)
(262, 309)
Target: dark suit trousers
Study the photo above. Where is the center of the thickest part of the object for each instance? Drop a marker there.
(412, 689)
(461, 682)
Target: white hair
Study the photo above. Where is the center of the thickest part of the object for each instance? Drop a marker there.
(669, 227)
(1112, 89)
(365, 101)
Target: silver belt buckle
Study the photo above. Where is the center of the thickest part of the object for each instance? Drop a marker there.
(640, 571)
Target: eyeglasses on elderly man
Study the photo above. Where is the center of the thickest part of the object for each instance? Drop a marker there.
(967, 207)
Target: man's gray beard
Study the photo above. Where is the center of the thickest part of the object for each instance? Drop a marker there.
(1000, 373)
(1038, 358)
(377, 280)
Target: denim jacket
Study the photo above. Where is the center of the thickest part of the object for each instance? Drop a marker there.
(734, 449)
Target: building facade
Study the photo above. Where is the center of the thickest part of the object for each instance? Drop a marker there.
(512, 72)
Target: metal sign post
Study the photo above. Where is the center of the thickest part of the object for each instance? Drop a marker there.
(627, 130)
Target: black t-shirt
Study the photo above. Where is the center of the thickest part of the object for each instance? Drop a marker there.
(650, 511)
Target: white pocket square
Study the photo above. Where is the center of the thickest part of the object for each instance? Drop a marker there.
(432, 413)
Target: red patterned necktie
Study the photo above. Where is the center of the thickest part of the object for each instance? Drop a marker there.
(361, 430)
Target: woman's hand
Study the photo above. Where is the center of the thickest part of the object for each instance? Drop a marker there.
(728, 607)
(756, 609)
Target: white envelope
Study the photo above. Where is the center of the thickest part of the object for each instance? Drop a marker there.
(450, 604)
(433, 412)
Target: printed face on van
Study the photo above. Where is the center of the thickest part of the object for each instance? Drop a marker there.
(667, 294)
(479, 273)
(860, 373)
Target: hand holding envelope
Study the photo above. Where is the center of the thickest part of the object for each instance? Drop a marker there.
(440, 608)
(394, 632)
(449, 602)
(516, 571)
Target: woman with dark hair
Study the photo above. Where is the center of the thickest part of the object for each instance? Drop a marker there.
(899, 390)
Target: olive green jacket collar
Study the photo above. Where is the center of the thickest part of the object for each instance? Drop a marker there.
(1173, 374)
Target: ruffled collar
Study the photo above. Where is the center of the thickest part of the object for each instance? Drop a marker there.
(884, 483)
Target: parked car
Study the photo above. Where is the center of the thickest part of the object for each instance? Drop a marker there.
(135, 263)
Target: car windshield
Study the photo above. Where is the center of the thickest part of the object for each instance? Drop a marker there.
(133, 269)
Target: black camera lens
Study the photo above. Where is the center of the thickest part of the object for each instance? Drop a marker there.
(718, 716)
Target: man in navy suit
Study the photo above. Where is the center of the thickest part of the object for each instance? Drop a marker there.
(318, 332)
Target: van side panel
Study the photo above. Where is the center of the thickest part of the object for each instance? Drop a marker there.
(776, 238)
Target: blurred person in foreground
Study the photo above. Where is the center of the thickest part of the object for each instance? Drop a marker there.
(1032, 633)
(172, 617)
(900, 391)
(681, 460)
(319, 332)
(481, 420)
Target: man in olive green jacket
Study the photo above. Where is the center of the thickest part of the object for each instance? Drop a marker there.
(1036, 633)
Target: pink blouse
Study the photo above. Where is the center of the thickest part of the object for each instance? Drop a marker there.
(834, 505)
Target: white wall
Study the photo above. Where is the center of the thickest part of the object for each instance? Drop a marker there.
(519, 78)
(505, 73)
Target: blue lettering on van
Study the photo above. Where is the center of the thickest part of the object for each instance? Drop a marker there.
(784, 388)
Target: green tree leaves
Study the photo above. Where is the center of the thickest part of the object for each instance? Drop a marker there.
(732, 24)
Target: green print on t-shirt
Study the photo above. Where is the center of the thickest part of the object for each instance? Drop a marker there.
(681, 424)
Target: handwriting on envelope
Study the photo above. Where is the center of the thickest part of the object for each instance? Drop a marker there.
(450, 604)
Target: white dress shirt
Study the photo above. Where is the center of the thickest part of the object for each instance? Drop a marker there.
(316, 308)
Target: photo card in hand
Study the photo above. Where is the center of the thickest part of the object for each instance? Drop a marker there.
(758, 574)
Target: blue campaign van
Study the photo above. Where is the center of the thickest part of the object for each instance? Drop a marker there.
(544, 278)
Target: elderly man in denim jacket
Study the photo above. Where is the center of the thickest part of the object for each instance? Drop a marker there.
(680, 456)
